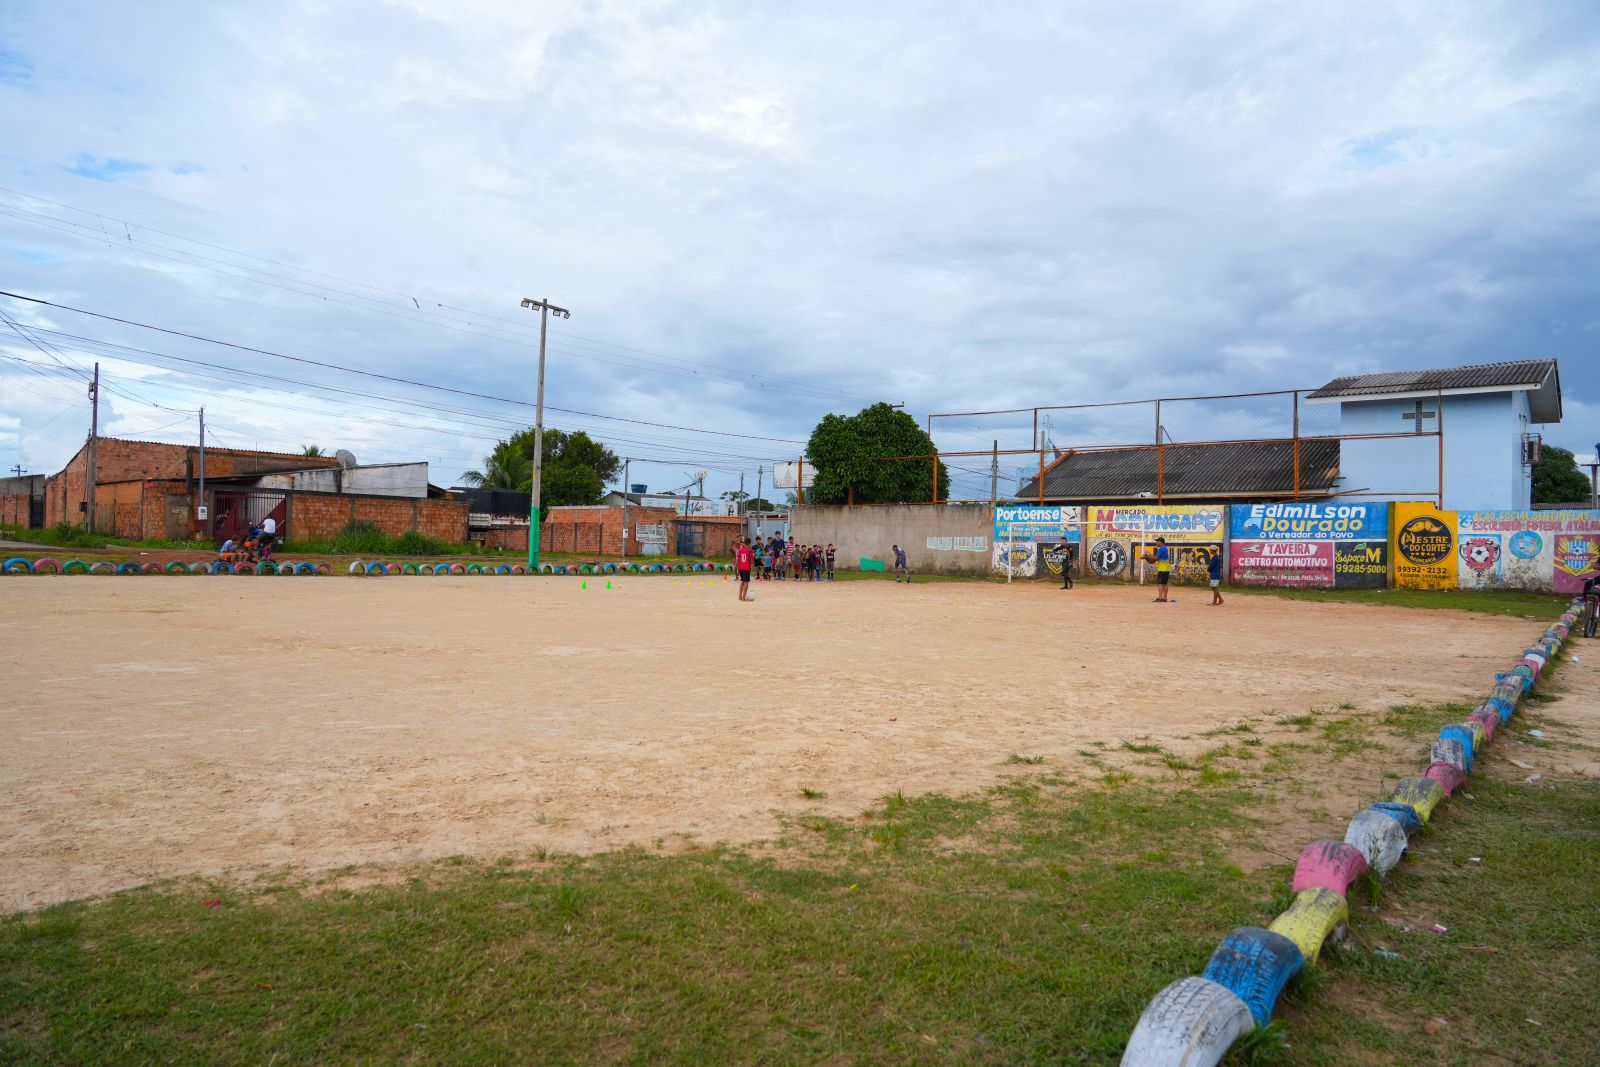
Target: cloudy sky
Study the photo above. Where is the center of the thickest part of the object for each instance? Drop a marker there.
(759, 216)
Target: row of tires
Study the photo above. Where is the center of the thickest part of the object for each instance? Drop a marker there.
(47, 565)
(362, 568)
(1195, 1020)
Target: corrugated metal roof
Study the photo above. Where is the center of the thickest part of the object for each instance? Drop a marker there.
(1203, 470)
(1530, 372)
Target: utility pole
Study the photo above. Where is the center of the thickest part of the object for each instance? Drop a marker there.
(546, 309)
(17, 470)
(994, 474)
(94, 436)
(626, 489)
(744, 512)
(200, 513)
(761, 513)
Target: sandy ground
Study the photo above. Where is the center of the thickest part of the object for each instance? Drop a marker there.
(153, 727)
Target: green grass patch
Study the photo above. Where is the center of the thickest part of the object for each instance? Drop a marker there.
(875, 940)
(1522, 919)
(1028, 760)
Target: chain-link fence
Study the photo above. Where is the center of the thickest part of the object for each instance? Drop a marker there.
(1274, 445)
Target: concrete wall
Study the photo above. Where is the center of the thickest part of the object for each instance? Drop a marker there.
(379, 479)
(870, 530)
(1482, 451)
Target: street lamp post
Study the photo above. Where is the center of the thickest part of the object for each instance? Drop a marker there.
(546, 309)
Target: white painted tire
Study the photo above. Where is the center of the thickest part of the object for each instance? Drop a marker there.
(1449, 750)
(1191, 1023)
(1381, 838)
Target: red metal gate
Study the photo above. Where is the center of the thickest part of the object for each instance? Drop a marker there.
(236, 513)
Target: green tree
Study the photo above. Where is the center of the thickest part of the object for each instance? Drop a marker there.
(1557, 479)
(849, 452)
(576, 467)
(312, 451)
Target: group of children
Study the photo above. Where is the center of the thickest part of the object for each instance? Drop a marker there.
(777, 560)
(256, 546)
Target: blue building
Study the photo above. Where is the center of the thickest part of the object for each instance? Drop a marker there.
(1476, 422)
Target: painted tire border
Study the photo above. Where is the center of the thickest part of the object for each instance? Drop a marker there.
(1193, 1021)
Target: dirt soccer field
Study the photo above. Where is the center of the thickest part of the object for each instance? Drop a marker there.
(165, 726)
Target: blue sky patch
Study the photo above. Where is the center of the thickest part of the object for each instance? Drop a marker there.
(105, 170)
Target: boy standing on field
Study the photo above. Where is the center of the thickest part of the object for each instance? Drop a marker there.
(900, 565)
(1214, 570)
(1163, 561)
(743, 558)
(830, 563)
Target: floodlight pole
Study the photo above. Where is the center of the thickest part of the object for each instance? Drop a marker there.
(545, 310)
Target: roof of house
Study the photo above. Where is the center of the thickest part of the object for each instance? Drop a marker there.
(1212, 471)
(1540, 376)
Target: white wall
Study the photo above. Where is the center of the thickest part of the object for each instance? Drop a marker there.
(1482, 451)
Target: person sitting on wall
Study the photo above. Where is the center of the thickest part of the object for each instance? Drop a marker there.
(229, 552)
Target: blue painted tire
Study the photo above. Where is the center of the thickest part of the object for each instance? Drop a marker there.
(1255, 964)
(306, 568)
(1405, 814)
(221, 567)
(441, 568)
(129, 568)
(1462, 734)
(503, 568)
(18, 565)
(376, 568)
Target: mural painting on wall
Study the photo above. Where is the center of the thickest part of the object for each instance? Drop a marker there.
(1120, 536)
(1024, 534)
(1309, 545)
(1424, 547)
(1553, 550)
(1055, 557)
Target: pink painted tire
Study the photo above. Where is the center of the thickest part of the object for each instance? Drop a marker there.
(42, 562)
(324, 568)
(244, 568)
(151, 568)
(458, 568)
(1328, 865)
(1448, 775)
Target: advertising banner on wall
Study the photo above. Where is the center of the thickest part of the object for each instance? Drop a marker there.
(1021, 532)
(1423, 547)
(1120, 535)
(1316, 545)
(1537, 550)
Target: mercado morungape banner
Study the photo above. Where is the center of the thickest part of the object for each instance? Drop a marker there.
(1118, 537)
(1311, 545)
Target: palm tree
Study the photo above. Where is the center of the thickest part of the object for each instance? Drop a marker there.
(312, 450)
(502, 469)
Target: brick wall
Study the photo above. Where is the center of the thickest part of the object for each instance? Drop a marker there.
(14, 509)
(598, 531)
(320, 516)
(509, 537)
(316, 516)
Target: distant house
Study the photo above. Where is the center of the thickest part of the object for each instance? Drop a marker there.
(153, 489)
(689, 505)
(1179, 473)
(1474, 422)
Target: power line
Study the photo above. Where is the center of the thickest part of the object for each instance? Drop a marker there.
(128, 241)
(385, 377)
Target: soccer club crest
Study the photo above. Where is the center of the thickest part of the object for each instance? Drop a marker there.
(1576, 553)
(1480, 554)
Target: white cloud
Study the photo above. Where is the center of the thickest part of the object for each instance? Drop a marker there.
(1051, 204)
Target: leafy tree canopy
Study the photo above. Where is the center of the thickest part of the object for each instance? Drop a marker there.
(747, 503)
(1557, 479)
(576, 467)
(847, 453)
(312, 450)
